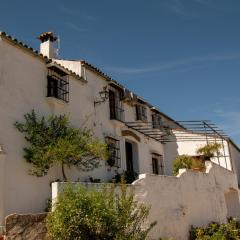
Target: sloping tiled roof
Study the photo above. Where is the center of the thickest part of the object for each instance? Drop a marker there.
(36, 53)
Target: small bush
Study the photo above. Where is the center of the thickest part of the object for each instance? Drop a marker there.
(83, 214)
(127, 177)
(185, 161)
(215, 231)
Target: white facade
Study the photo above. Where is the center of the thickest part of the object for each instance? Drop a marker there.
(23, 87)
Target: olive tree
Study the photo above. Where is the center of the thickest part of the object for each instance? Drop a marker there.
(53, 141)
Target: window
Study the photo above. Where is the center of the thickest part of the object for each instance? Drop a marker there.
(156, 120)
(58, 84)
(114, 159)
(141, 112)
(157, 164)
(115, 105)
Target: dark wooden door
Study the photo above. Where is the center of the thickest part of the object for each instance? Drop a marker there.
(129, 157)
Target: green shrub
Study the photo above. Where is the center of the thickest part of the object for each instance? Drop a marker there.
(127, 177)
(215, 231)
(83, 214)
(185, 161)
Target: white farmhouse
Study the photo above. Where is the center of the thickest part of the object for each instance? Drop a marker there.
(143, 139)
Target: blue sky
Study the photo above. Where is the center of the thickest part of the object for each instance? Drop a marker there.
(181, 55)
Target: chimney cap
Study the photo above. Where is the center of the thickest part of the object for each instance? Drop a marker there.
(47, 36)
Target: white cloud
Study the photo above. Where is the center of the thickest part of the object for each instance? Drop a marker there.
(75, 27)
(181, 64)
(76, 12)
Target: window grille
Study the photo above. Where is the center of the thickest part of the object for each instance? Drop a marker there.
(141, 113)
(157, 164)
(116, 105)
(114, 159)
(58, 85)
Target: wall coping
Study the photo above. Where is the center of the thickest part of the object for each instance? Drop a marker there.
(210, 167)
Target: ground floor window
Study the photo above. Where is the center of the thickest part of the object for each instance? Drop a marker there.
(157, 164)
(114, 159)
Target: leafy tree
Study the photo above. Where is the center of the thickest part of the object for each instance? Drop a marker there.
(84, 214)
(53, 141)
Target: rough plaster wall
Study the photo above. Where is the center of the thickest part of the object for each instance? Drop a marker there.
(2, 185)
(170, 152)
(235, 156)
(193, 198)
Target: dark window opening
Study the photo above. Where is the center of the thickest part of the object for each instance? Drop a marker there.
(141, 113)
(114, 159)
(156, 121)
(157, 164)
(115, 105)
(129, 157)
(58, 85)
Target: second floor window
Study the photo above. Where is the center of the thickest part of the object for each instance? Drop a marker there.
(115, 105)
(58, 84)
(157, 164)
(141, 113)
(156, 120)
(114, 159)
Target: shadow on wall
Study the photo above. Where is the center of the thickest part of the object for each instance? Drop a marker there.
(232, 203)
(170, 153)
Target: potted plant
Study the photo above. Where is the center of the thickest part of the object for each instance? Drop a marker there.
(198, 164)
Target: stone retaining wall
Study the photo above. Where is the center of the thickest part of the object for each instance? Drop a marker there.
(26, 227)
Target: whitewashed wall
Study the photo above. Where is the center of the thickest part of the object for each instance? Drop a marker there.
(235, 159)
(2, 186)
(177, 203)
(23, 87)
(192, 198)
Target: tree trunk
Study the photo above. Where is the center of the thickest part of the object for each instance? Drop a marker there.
(63, 173)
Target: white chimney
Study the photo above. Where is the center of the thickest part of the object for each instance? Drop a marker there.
(47, 44)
